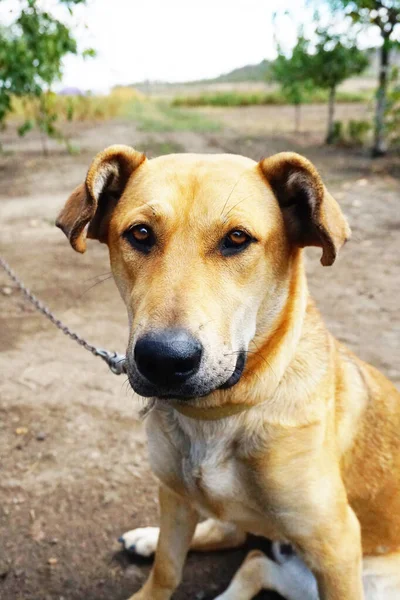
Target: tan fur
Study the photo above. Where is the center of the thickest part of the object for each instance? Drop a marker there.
(315, 458)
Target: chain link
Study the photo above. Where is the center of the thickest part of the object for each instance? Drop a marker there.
(116, 362)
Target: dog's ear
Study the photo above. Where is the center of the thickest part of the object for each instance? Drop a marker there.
(312, 217)
(88, 209)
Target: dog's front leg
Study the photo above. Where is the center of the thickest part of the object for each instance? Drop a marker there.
(177, 524)
(338, 561)
(333, 552)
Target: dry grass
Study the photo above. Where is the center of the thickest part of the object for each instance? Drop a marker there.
(150, 115)
(78, 108)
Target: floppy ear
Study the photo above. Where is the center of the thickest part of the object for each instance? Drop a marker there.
(312, 217)
(92, 202)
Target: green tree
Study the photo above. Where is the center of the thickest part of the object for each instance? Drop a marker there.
(31, 52)
(291, 73)
(335, 60)
(385, 15)
(393, 109)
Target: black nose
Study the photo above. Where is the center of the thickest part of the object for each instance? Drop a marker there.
(168, 357)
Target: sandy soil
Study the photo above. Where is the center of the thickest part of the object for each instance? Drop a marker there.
(74, 473)
(267, 120)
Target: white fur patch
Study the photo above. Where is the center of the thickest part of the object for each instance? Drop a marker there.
(142, 541)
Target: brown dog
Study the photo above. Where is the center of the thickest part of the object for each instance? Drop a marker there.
(260, 419)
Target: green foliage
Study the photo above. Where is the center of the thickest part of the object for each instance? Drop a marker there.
(31, 53)
(330, 62)
(274, 97)
(231, 98)
(291, 72)
(393, 109)
(335, 59)
(355, 133)
(358, 130)
(25, 127)
(337, 132)
(384, 14)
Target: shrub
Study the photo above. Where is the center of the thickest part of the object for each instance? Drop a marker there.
(338, 133)
(357, 131)
(273, 97)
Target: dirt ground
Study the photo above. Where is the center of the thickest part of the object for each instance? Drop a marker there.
(74, 472)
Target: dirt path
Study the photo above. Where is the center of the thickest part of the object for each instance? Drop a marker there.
(72, 456)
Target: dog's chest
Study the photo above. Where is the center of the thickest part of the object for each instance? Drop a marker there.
(212, 471)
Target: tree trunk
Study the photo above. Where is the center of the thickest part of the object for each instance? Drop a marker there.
(379, 147)
(44, 144)
(297, 117)
(331, 116)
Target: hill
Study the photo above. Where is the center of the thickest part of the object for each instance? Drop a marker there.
(256, 72)
(248, 73)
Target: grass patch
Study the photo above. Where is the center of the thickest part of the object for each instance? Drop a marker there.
(150, 115)
(153, 147)
(162, 117)
(274, 97)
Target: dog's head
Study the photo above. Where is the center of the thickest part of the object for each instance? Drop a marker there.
(202, 250)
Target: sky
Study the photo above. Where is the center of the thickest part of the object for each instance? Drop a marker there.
(169, 40)
(172, 40)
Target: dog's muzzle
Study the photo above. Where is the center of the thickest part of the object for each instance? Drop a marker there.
(166, 363)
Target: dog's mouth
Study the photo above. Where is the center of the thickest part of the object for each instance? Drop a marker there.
(237, 373)
(188, 390)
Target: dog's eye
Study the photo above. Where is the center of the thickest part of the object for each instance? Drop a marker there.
(237, 237)
(141, 237)
(235, 241)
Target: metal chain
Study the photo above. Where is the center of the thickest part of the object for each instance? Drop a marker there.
(116, 362)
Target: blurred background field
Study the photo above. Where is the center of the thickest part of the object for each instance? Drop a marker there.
(155, 101)
(188, 109)
(199, 106)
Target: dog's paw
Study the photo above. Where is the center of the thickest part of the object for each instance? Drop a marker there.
(141, 541)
